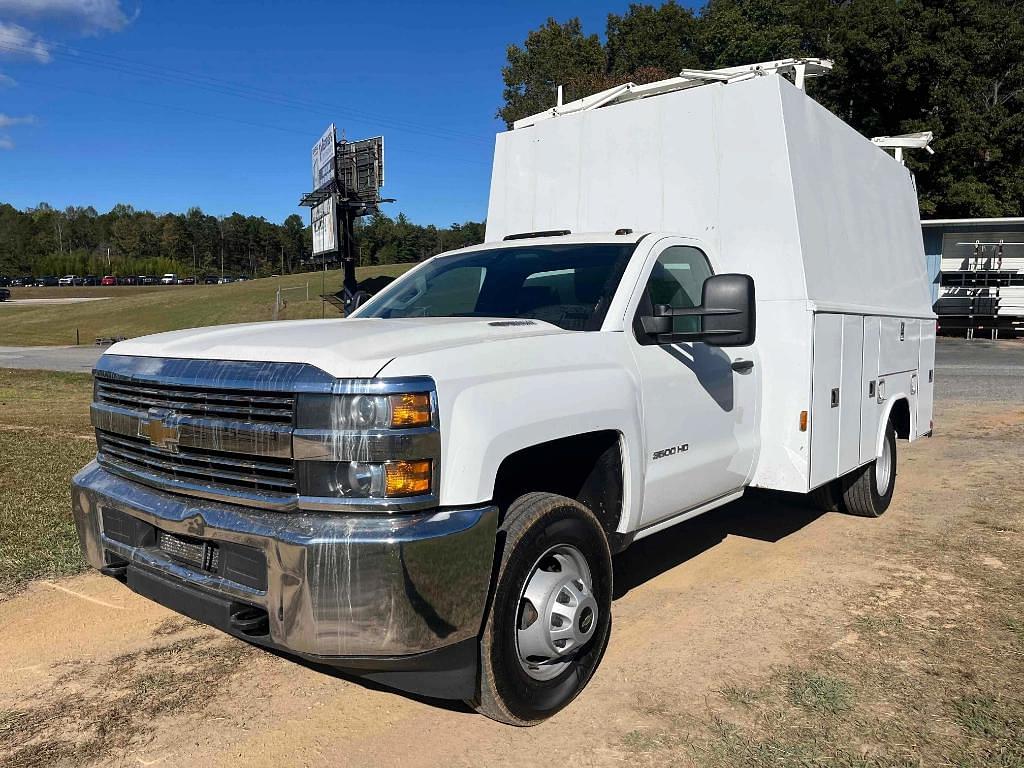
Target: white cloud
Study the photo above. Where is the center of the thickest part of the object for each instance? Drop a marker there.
(6, 121)
(6, 81)
(18, 41)
(6, 143)
(92, 16)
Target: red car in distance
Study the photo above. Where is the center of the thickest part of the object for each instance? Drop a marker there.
(108, 280)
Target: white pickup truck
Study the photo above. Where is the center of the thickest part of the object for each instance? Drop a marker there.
(430, 493)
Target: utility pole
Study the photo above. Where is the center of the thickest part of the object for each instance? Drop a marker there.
(282, 261)
(195, 272)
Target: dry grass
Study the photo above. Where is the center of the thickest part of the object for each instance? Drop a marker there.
(92, 713)
(927, 669)
(45, 438)
(135, 311)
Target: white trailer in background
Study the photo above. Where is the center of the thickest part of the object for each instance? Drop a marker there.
(429, 493)
(768, 183)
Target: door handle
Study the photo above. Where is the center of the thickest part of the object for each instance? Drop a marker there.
(742, 365)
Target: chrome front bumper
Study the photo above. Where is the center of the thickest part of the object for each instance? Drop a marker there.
(337, 585)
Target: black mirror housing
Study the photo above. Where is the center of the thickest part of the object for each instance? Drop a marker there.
(730, 319)
(727, 313)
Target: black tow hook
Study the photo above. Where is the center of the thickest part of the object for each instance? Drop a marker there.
(249, 621)
(116, 570)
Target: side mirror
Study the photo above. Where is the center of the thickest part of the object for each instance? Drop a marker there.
(726, 312)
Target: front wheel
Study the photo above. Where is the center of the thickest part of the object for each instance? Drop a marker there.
(867, 491)
(549, 621)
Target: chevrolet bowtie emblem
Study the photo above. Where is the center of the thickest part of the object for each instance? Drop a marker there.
(160, 430)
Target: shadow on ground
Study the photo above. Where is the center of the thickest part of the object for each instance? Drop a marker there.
(762, 515)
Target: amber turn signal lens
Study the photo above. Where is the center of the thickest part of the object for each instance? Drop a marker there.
(407, 478)
(410, 410)
(803, 421)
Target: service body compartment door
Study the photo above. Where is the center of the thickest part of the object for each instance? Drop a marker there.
(826, 395)
(926, 377)
(870, 407)
(900, 342)
(849, 393)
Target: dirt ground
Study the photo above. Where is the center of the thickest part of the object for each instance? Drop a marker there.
(763, 633)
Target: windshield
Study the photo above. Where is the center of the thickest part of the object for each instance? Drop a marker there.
(568, 285)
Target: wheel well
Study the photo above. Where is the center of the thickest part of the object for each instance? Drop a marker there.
(585, 467)
(900, 418)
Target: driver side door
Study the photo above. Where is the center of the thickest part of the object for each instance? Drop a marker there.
(699, 402)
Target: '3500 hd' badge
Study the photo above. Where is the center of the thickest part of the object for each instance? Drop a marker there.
(681, 448)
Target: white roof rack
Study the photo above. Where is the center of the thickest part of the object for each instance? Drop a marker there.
(919, 140)
(801, 69)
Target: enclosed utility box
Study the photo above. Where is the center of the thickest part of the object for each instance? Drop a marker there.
(779, 188)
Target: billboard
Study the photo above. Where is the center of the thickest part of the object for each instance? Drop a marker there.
(325, 227)
(361, 168)
(324, 169)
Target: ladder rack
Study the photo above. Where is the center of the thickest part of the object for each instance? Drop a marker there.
(800, 69)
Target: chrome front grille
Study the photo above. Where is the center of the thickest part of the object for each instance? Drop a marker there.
(209, 402)
(264, 475)
(215, 429)
(231, 431)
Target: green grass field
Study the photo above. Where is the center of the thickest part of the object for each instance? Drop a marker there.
(45, 437)
(134, 312)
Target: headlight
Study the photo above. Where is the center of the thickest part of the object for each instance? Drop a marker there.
(363, 412)
(365, 479)
(366, 446)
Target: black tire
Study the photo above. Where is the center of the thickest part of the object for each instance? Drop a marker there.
(861, 494)
(533, 525)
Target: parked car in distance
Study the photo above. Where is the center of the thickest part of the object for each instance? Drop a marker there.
(91, 280)
(128, 280)
(187, 281)
(21, 282)
(225, 280)
(5, 294)
(69, 280)
(169, 279)
(4, 281)
(46, 281)
(108, 280)
(146, 280)
(210, 280)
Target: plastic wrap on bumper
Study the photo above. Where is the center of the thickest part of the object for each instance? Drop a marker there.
(337, 584)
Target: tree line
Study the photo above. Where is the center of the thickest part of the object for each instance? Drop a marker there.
(124, 241)
(954, 67)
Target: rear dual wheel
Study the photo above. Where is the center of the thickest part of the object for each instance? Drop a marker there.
(549, 621)
(867, 491)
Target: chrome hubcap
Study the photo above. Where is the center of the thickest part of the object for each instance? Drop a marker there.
(883, 468)
(557, 612)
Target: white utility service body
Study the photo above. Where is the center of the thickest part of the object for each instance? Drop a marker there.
(769, 183)
(545, 401)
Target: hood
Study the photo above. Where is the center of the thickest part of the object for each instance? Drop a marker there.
(356, 347)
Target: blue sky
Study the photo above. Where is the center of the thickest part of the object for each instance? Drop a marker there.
(169, 104)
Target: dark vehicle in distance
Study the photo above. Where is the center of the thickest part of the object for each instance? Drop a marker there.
(146, 280)
(91, 280)
(4, 281)
(5, 294)
(21, 282)
(210, 280)
(46, 281)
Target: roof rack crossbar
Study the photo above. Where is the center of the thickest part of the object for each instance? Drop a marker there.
(800, 69)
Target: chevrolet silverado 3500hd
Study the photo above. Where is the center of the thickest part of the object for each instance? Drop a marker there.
(429, 493)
